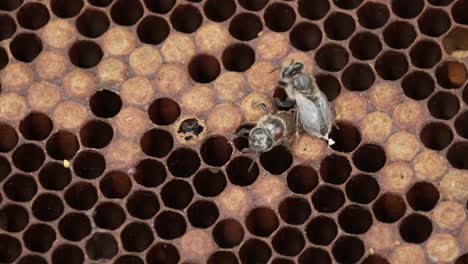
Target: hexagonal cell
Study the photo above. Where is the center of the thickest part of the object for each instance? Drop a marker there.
(329, 85)
(365, 45)
(186, 18)
(425, 54)
(202, 214)
(339, 26)
(422, 196)
(7, 26)
(457, 155)
(418, 85)
(245, 26)
(399, 34)
(85, 54)
(238, 57)
(228, 233)
(332, 57)
(358, 77)
(434, 22)
(262, 221)
(66, 8)
(451, 74)
(105, 103)
(389, 208)
(33, 16)
(126, 12)
(204, 68)
(347, 4)
(443, 105)
(391, 65)
(436, 136)
(348, 249)
(277, 160)
(279, 17)
(219, 11)
(160, 7)
(26, 47)
(405, 9)
(153, 30)
(415, 228)
(373, 15)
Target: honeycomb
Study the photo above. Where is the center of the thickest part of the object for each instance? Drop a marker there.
(118, 121)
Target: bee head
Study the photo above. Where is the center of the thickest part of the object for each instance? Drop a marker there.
(259, 140)
(292, 70)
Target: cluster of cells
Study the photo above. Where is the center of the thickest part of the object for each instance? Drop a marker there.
(173, 188)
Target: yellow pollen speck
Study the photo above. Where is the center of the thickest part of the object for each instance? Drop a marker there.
(66, 164)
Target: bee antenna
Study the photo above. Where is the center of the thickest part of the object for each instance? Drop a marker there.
(275, 69)
(253, 162)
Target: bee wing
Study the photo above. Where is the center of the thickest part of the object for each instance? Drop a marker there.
(308, 115)
(327, 111)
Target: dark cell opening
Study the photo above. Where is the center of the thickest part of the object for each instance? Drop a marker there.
(228, 233)
(458, 11)
(461, 125)
(156, 143)
(321, 230)
(136, 237)
(425, 54)
(26, 47)
(405, 9)
(62, 145)
(13, 218)
(313, 10)
(332, 57)
(96, 134)
(418, 85)
(74, 226)
(202, 214)
(170, 225)
(54, 176)
(245, 26)
(219, 10)
(32, 259)
(109, 215)
(365, 46)
(391, 65)
(5, 168)
(39, 237)
(339, 26)
(7, 26)
(225, 257)
(302, 179)
(399, 34)
(294, 210)
(164, 111)
(10, 5)
(89, 164)
(115, 185)
(150, 173)
(415, 228)
(335, 169)
(66, 8)
(242, 171)
(35, 126)
(363, 161)
(347, 137)
(47, 207)
(160, 7)
(434, 22)
(142, 204)
(288, 241)
(33, 16)
(238, 57)
(346, 4)
(162, 253)
(462, 259)
(253, 5)
(254, 251)
(375, 259)
(329, 85)
(457, 155)
(315, 255)
(277, 160)
(20, 187)
(422, 196)
(101, 246)
(28, 157)
(436, 136)
(67, 253)
(389, 208)
(126, 12)
(209, 182)
(183, 162)
(348, 249)
(362, 188)
(440, 2)
(81, 196)
(216, 151)
(279, 17)
(204, 68)
(10, 250)
(373, 15)
(105, 104)
(177, 194)
(100, 3)
(85, 54)
(186, 18)
(355, 219)
(92, 23)
(9, 137)
(305, 36)
(451, 74)
(3, 58)
(262, 221)
(443, 105)
(358, 77)
(328, 199)
(153, 30)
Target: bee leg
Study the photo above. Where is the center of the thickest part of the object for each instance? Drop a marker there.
(298, 125)
(286, 103)
(264, 108)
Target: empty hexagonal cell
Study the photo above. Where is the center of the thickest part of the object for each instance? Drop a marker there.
(33, 16)
(20, 187)
(170, 225)
(177, 194)
(277, 160)
(136, 237)
(362, 188)
(202, 214)
(332, 57)
(74, 226)
(109, 215)
(238, 57)
(245, 26)
(81, 196)
(240, 171)
(399, 34)
(13, 218)
(28, 157)
(150, 173)
(458, 12)
(313, 10)
(92, 23)
(39, 237)
(436, 135)
(329, 85)
(162, 253)
(126, 12)
(405, 9)
(219, 11)
(153, 29)
(316, 255)
(321, 230)
(5, 168)
(101, 246)
(440, 2)
(26, 47)
(288, 241)
(142, 204)
(54, 176)
(100, 3)
(35, 126)
(451, 74)
(96, 134)
(365, 45)
(216, 151)
(328, 199)
(391, 65)
(9, 137)
(415, 228)
(461, 124)
(62, 145)
(347, 137)
(302, 179)
(434, 22)
(66, 8)
(67, 253)
(279, 17)
(3, 57)
(389, 208)
(228, 233)
(105, 104)
(183, 162)
(457, 155)
(355, 219)
(361, 158)
(11, 249)
(204, 68)
(305, 36)
(335, 169)
(156, 143)
(373, 15)
(425, 54)
(422, 196)
(115, 185)
(209, 182)
(10, 5)
(294, 210)
(164, 111)
(85, 54)
(160, 7)
(255, 251)
(339, 26)
(418, 85)
(358, 77)
(32, 259)
(47, 207)
(186, 18)
(375, 259)
(348, 249)
(262, 221)
(89, 164)
(7, 26)
(443, 105)
(223, 257)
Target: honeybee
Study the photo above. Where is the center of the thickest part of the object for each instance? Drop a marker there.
(313, 111)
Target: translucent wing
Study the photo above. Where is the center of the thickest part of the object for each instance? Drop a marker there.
(326, 110)
(308, 115)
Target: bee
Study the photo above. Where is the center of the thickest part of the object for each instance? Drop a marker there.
(269, 131)
(313, 111)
